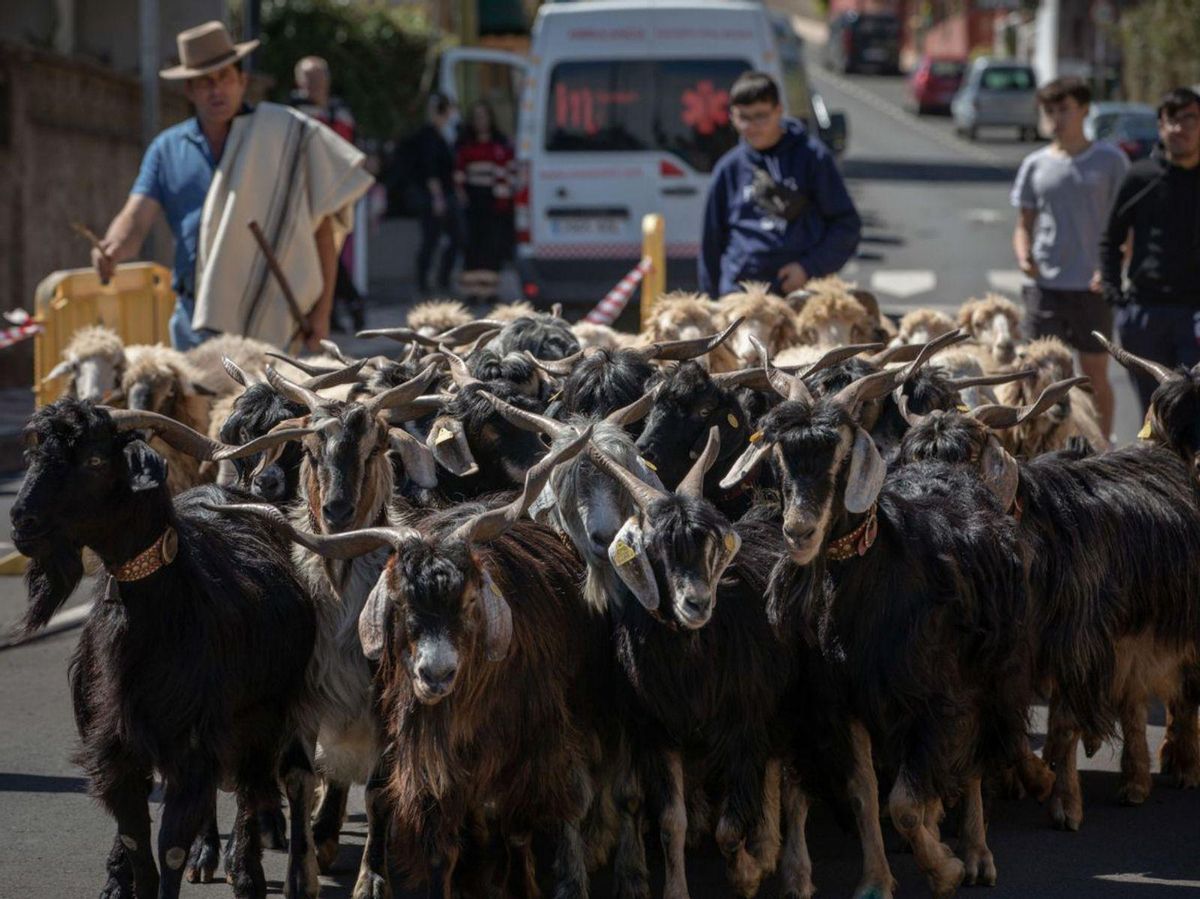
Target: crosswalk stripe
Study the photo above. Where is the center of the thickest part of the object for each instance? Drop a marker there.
(1006, 280)
(903, 283)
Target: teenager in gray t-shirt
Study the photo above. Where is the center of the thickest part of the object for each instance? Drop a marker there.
(1064, 193)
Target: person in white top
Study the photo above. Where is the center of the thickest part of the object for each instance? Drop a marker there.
(1063, 194)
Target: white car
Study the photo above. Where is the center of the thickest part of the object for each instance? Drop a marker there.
(996, 92)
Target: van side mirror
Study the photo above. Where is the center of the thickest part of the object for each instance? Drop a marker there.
(834, 134)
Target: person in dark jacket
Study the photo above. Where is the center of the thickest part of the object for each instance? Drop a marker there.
(433, 160)
(1158, 207)
(777, 209)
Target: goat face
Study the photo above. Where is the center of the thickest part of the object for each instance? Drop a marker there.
(254, 413)
(998, 330)
(687, 405)
(78, 464)
(1174, 416)
(345, 469)
(93, 378)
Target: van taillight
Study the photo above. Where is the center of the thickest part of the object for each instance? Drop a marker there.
(521, 212)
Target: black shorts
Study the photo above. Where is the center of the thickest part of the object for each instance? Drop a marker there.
(1069, 315)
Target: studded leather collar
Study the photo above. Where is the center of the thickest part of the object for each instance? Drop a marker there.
(858, 541)
(157, 555)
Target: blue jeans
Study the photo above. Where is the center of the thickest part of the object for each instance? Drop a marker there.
(1169, 335)
(183, 336)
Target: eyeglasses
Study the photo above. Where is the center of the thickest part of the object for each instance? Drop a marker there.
(758, 118)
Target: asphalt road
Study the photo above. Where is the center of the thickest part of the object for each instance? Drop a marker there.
(933, 204)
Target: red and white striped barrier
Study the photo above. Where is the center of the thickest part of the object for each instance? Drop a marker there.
(614, 303)
(23, 327)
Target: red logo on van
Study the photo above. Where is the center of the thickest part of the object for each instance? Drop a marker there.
(705, 108)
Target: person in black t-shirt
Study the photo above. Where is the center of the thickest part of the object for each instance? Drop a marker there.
(434, 164)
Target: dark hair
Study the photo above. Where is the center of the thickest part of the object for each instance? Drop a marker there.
(1060, 88)
(467, 133)
(754, 87)
(439, 104)
(1177, 100)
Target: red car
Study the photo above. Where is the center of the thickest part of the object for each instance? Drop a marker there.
(934, 82)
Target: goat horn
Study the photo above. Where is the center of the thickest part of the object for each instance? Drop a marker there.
(556, 310)
(474, 346)
(527, 421)
(901, 352)
(235, 371)
(404, 335)
(997, 415)
(635, 411)
(560, 368)
(693, 484)
(301, 365)
(293, 391)
(195, 444)
(487, 526)
(754, 378)
(401, 394)
(987, 380)
(782, 383)
(458, 370)
(643, 494)
(926, 353)
(838, 354)
(468, 333)
(336, 352)
(912, 418)
(678, 350)
(346, 545)
(1159, 372)
(871, 387)
(339, 376)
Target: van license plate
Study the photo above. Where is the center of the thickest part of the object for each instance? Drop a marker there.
(575, 225)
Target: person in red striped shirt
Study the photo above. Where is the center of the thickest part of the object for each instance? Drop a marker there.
(484, 171)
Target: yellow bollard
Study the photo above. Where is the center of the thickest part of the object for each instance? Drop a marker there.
(654, 245)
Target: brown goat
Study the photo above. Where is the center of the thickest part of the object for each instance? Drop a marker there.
(680, 315)
(995, 322)
(767, 318)
(1074, 416)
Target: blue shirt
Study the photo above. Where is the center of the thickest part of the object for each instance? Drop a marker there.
(176, 172)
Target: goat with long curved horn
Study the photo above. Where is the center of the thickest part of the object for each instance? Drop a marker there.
(781, 382)
(693, 483)
(635, 411)
(346, 545)
(304, 365)
(293, 391)
(643, 494)
(192, 442)
(526, 420)
(836, 355)
(991, 380)
(997, 415)
(401, 394)
(679, 350)
(1155, 370)
(458, 370)
(558, 368)
(471, 332)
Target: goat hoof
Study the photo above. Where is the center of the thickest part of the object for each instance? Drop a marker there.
(632, 886)
(875, 891)
(116, 889)
(371, 886)
(1132, 793)
(273, 827)
(327, 853)
(202, 861)
(1061, 818)
(1182, 763)
(946, 878)
(981, 868)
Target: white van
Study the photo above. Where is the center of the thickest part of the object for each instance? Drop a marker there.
(624, 111)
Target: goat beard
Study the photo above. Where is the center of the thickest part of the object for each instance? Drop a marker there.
(50, 580)
(796, 598)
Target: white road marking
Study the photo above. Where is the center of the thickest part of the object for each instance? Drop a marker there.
(904, 284)
(1147, 880)
(1005, 280)
(984, 216)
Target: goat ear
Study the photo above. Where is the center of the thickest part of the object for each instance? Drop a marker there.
(867, 469)
(147, 469)
(643, 472)
(418, 461)
(372, 620)
(746, 464)
(540, 508)
(64, 368)
(1000, 472)
(497, 616)
(730, 544)
(627, 553)
(448, 442)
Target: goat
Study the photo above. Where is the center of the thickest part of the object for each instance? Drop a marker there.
(250, 355)
(995, 322)
(688, 316)
(923, 325)
(181, 584)
(488, 681)
(544, 336)
(1112, 541)
(766, 317)
(93, 363)
(907, 590)
(595, 336)
(507, 312)
(434, 317)
(1074, 415)
(833, 316)
(705, 675)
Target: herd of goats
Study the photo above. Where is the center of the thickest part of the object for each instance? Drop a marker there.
(547, 589)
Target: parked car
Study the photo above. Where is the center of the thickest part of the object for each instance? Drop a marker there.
(934, 82)
(860, 42)
(623, 110)
(996, 92)
(1131, 126)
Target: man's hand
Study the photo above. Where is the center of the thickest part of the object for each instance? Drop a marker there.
(102, 259)
(1096, 285)
(318, 327)
(1030, 268)
(792, 277)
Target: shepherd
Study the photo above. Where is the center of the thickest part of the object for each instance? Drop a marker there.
(214, 174)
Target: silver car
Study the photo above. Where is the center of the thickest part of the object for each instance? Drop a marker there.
(997, 92)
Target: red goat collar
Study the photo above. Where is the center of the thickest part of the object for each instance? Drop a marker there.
(159, 553)
(858, 541)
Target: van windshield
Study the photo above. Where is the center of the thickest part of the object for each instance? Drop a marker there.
(679, 106)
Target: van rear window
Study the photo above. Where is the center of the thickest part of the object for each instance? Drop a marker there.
(679, 106)
(1008, 79)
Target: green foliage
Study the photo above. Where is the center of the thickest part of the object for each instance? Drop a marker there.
(378, 55)
(1159, 40)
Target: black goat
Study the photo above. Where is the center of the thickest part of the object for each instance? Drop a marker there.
(908, 593)
(704, 673)
(488, 680)
(182, 584)
(542, 336)
(1112, 541)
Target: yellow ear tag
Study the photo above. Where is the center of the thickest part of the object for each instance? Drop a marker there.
(962, 408)
(443, 435)
(732, 419)
(649, 464)
(1144, 433)
(756, 436)
(730, 543)
(624, 553)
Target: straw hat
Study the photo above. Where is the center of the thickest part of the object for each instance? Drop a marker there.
(204, 49)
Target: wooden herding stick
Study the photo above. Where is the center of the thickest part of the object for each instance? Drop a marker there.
(302, 329)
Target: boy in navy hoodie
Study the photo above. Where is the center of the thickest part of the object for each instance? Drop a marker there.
(777, 209)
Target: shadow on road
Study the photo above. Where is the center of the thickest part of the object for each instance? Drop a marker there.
(940, 171)
(40, 783)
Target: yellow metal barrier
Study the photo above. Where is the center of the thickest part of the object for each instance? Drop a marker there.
(137, 304)
(654, 245)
